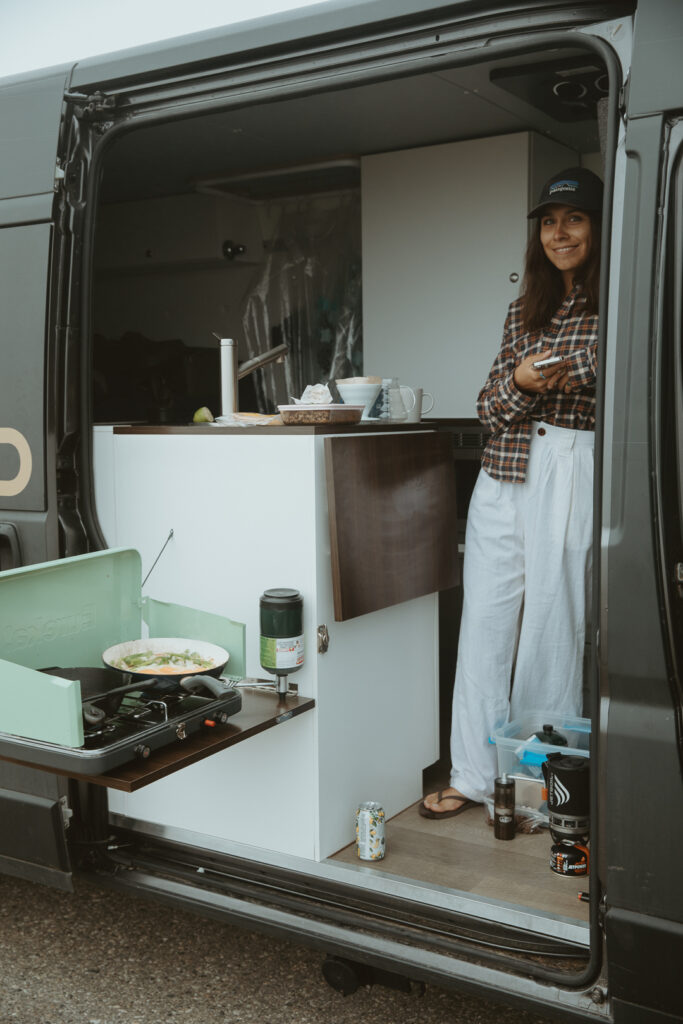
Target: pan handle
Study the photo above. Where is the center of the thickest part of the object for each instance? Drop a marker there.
(129, 688)
(195, 684)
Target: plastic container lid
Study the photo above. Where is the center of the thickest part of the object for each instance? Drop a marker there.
(281, 595)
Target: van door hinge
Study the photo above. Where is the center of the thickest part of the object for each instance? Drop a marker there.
(67, 813)
(92, 107)
(623, 98)
(602, 911)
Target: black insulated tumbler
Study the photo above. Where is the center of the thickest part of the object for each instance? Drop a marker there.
(504, 807)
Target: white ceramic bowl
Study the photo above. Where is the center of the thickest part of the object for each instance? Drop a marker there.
(359, 393)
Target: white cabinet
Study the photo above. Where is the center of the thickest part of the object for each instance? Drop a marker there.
(444, 234)
(249, 512)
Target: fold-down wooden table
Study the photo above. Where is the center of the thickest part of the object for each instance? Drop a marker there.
(262, 709)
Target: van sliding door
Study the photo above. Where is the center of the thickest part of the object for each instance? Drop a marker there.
(642, 604)
(32, 804)
(668, 431)
(30, 113)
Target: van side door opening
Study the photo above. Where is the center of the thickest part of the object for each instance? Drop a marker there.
(147, 144)
(132, 170)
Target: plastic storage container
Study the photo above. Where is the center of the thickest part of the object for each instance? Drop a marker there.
(520, 752)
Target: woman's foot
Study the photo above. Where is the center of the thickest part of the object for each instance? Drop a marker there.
(444, 804)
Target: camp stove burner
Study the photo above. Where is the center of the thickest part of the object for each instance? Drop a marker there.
(139, 711)
(143, 721)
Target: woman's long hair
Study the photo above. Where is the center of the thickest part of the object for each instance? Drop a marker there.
(543, 286)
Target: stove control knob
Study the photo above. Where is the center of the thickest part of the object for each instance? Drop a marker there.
(181, 731)
(142, 751)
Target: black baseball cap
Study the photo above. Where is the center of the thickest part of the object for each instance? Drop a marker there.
(575, 186)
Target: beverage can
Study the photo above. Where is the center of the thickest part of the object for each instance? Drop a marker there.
(370, 840)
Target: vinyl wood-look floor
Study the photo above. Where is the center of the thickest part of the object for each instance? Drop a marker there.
(462, 853)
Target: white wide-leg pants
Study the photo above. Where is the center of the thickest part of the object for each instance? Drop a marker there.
(526, 584)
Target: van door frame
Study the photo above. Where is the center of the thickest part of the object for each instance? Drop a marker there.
(668, 401)
(644, 912)
(101, 119)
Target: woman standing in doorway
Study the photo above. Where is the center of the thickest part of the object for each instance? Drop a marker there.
(530, 522)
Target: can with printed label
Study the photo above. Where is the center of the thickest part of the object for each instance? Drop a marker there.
(370, 841)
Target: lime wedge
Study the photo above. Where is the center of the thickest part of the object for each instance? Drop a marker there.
(203, 415)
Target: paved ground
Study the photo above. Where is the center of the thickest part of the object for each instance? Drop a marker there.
(96, 957)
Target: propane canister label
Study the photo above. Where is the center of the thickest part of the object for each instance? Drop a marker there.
(282, 652)
(569, 859)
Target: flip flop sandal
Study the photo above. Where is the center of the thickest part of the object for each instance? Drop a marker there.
(426, 812)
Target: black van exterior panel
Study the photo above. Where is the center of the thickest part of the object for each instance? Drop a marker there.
(333, 24)
(24, 252)
(34, 846)
(642, 829)
(659, 35)
(644, 948)
(29, 130)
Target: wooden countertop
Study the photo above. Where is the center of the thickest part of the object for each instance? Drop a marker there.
(261, 710)
(196, 429)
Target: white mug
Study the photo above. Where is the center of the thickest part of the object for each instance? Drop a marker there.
(416, 409)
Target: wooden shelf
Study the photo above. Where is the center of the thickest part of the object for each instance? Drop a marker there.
(175, 266)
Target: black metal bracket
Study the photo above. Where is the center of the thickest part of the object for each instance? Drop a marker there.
(346, 976)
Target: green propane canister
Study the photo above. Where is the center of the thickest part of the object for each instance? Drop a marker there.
(282, 633)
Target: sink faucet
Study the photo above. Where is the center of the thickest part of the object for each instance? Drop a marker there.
(231, 373)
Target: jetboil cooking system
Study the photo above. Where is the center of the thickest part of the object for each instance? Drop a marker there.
(62, 707)
(567, 780)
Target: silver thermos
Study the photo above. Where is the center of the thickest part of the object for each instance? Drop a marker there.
(229, 376)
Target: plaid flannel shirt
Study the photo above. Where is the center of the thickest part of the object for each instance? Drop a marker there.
(508, 412)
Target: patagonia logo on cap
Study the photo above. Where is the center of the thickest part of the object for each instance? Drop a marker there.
(572, 186)
(565, 185)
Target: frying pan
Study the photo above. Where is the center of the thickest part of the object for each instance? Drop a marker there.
(213, 658)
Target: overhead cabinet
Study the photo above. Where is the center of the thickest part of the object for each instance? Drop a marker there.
(178, 231)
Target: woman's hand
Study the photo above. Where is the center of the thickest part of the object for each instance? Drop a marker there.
(538, 382)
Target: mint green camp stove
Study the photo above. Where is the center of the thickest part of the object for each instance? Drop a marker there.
(56, 620)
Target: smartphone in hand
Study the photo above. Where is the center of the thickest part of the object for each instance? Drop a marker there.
(545, 364)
